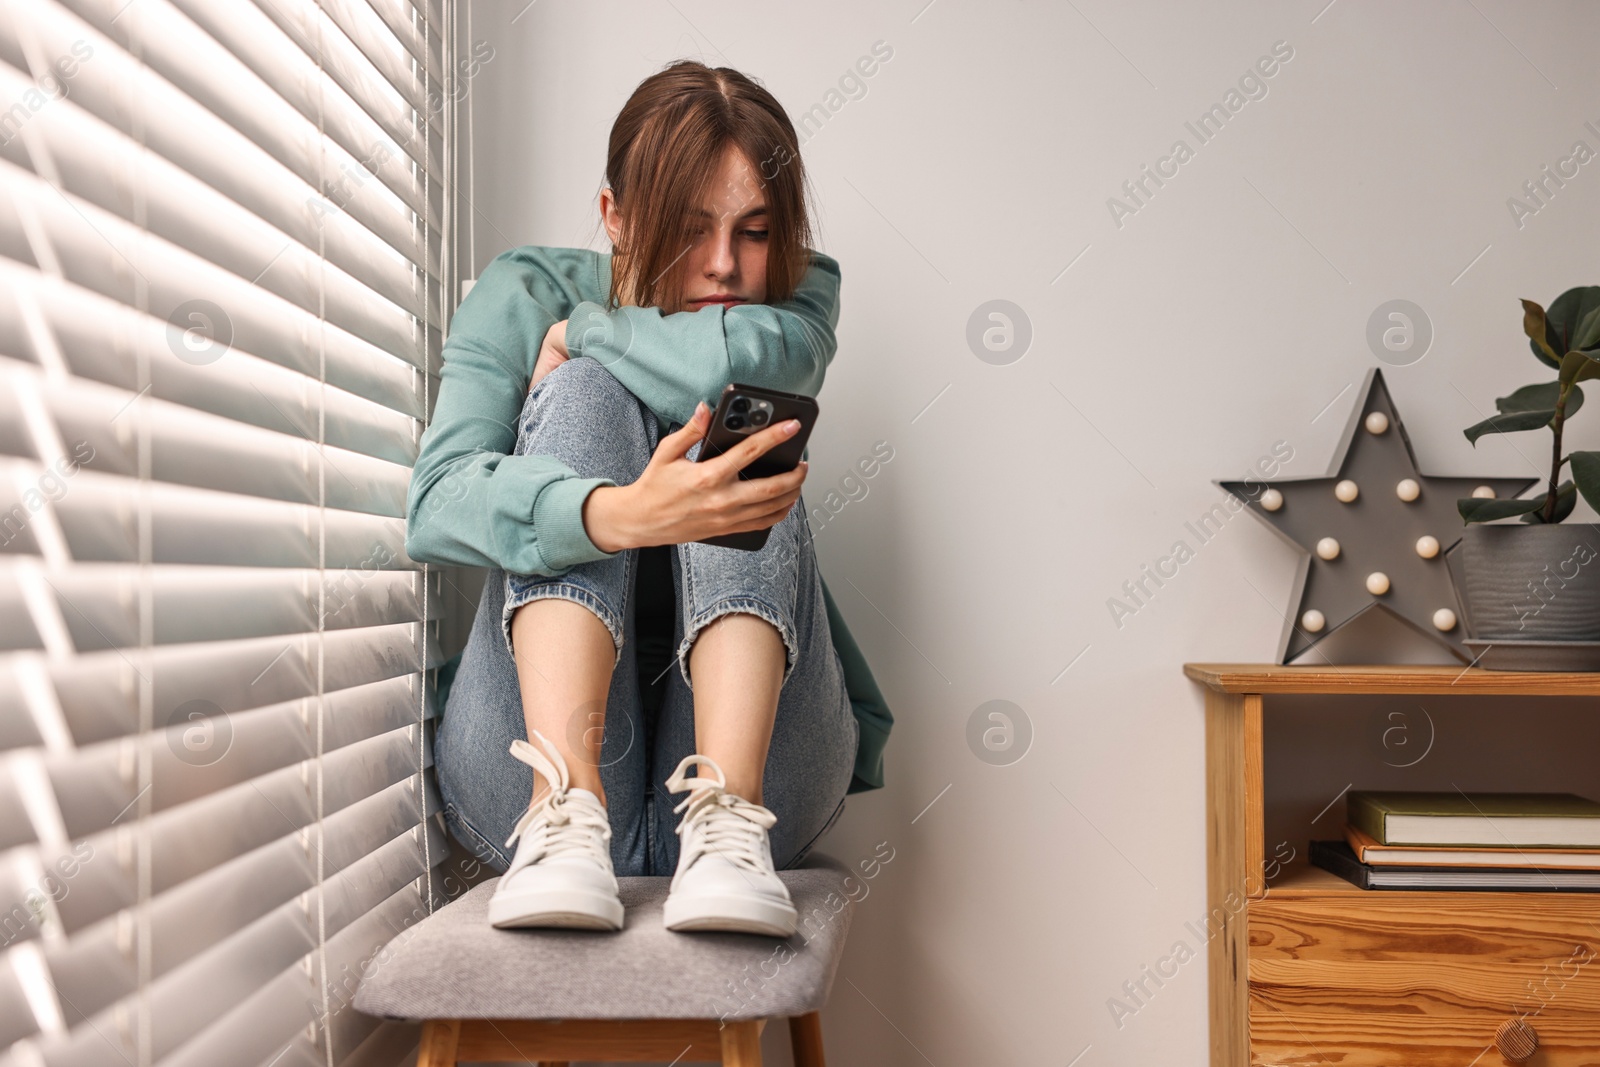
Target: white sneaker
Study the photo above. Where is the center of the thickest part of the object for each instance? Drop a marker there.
(725, 879)
(561, 874)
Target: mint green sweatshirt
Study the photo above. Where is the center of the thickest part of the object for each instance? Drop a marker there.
(473, 504)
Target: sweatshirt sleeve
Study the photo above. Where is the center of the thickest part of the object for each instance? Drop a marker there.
(672, 362)
(471, 502)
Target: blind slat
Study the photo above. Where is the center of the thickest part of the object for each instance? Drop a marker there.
(15, 829)
(17, 729)
(16, 1017)
(100, 519)
(17, 631)
(195, 604)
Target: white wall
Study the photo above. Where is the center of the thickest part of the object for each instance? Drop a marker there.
(1221, 318)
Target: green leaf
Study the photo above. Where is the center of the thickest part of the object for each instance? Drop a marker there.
(1510, 422)
(1566, 500)
(1478, 509)
(1578, 367)
(1586, 472)
(1534, 325)
(1541, 397)
(1534, 406)
(1566, 315)
(1588, 331)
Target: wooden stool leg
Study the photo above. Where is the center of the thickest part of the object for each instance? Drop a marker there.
(741, 1044)
(438, 1047)
(805, 1037)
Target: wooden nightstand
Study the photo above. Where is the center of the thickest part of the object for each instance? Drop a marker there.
(1314, 970)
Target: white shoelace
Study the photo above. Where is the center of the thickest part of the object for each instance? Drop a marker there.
(717, 821)
(564, 824)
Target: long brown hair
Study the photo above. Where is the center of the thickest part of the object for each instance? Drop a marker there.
(665, 148)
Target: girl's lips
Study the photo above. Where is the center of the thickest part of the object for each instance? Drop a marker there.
(725, 301)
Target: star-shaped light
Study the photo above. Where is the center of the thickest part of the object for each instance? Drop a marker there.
(1363, 529)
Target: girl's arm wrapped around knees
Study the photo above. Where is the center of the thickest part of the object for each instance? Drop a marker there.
(673, 361)
(472, 502)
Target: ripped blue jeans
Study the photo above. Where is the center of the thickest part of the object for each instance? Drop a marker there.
(586, 418)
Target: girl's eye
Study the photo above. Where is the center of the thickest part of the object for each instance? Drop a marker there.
(756, 235)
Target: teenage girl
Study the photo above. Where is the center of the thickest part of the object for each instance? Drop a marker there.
(612, 653)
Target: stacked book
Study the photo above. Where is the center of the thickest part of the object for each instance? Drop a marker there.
(1480, 841)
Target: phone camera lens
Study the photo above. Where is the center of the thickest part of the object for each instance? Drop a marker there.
(734, 422)
(741, 404)
(758, 418)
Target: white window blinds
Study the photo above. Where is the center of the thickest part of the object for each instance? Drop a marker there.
(223, 261)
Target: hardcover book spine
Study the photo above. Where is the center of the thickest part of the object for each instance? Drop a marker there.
(1326, 855)
(1366, 817)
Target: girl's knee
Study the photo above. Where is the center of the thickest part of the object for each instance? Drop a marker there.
(579, 382)
(580, 414)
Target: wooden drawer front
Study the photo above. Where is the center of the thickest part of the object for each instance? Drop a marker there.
(1442, 988)
(1536, 928)
(1362, 1039)
(1422, 979)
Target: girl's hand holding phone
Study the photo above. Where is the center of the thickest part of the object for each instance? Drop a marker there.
(677, 500)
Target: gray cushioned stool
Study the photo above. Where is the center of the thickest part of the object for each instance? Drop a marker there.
(642, 993)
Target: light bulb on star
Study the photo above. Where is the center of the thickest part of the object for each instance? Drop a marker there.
(1377, 583)
(1407, 489)
(1328, 548)
(1377, 423)
(1427, 546)
(1346, 491)
(1444, 620)
(1312, 621)
(1272, 500)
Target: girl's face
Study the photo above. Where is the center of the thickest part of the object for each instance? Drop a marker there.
(725, 242)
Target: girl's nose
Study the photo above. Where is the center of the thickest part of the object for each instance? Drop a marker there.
(720, 261)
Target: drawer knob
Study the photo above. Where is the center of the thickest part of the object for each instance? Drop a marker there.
(1516, 1040)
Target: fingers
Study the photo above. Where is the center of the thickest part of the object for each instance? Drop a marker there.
(767, 491)
(745, 452)
(676, 445)
(778, 505)
(762, 522)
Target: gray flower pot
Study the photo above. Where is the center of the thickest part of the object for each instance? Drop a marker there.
(1532, 582)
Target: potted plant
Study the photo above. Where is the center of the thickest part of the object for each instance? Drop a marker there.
(1540, 580)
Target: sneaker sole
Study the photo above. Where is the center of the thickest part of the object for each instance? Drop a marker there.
(567, 909)
(740, 915)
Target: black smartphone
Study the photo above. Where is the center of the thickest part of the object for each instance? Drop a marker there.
(747, 409)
